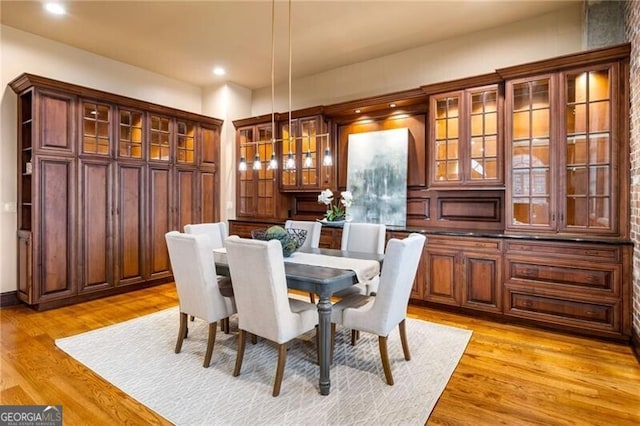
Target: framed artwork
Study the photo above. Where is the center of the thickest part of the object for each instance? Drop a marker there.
(377, 176)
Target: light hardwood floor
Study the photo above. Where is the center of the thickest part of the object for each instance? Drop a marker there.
(508, 375)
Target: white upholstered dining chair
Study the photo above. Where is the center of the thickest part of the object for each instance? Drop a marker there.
(198, 285)
(366, 238)
(314, 229)
(380, 314)
(264, 307)
(216, 232)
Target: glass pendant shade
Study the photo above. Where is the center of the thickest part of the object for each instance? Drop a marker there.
(273, 163)
(257, 164)
(308, 161)
(291, 162)
(327, 160)
(243, 164)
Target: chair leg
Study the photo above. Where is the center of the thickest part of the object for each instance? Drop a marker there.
(211, 341)
(254, 339)
(355, 335)
(312, 298)
(282, 359)
(224, 325)
(193, 318)
(403, 339)
(182, 332)
(240, 355)
(384, 355)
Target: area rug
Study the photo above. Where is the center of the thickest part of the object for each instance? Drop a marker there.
(138, 357)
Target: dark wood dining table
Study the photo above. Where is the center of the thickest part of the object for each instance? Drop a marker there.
(324, 282)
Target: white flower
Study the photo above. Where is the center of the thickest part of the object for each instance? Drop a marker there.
(347, 198)
(338, 211)
(326, 197)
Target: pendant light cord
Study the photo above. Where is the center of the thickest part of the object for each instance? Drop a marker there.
(290, 129)
(273, 54)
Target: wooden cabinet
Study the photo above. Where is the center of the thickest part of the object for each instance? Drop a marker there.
(465, 141)
(464, 272)
(101, 179)
(564, 152)
(304, 142)
(95, 225)
(130, 230)
(257, 193)
(578, 286)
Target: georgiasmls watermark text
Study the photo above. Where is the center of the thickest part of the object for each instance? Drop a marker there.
(30, 415)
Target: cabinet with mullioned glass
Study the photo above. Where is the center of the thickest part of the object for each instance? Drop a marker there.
(257, 192)
(465, 142)
(563, 152)
(101, 179)
(304, 143)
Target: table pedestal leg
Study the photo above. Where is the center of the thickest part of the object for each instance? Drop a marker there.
(324, 329)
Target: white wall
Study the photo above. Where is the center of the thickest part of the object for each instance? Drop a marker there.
(543, 37)
(228, 102)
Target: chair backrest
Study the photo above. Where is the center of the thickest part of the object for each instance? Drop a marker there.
(260, 288)
(363, 237)
(313, 231)
(194, 272)
(401, 261)
(216, 231)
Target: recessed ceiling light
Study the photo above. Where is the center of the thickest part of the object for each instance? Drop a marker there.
(392, 105)
(55, 8)
(219, 71)
(357, 111)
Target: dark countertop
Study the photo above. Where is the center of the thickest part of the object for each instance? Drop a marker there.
(472, 234)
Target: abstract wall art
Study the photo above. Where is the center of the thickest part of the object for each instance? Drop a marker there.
(377, 176)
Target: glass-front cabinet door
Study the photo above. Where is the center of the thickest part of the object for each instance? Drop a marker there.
(589, 154)
(96, 128)
(561, 151)
(159, 138)
(130, 134)
(257, 187)
(185, 142)
(529, 136)
(465, 143)
(301, 156)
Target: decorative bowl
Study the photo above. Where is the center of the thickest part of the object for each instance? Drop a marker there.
(291, 240)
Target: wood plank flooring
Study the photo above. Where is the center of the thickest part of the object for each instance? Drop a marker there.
(508, 375)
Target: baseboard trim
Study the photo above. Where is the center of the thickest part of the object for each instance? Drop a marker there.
(635, 344)
(10, 298)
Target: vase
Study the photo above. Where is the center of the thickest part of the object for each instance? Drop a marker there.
(332, 222)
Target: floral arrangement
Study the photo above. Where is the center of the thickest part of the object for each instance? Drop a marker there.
(337, 211)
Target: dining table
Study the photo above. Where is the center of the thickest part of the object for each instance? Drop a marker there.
(324, 272)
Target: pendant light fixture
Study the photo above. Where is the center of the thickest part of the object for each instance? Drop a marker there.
(290, 163)
(273, 162)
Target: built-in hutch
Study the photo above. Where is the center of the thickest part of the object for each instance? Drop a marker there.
(519, 178)
(101, 179)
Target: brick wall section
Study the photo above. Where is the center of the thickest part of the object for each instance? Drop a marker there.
(632, 32)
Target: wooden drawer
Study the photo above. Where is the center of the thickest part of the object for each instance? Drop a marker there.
(330, 237)
(599, 252)
(591, 277)
(243, 229)
(464, 243)
(602, 316)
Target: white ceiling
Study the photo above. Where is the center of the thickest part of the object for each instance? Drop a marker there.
(185, 39)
